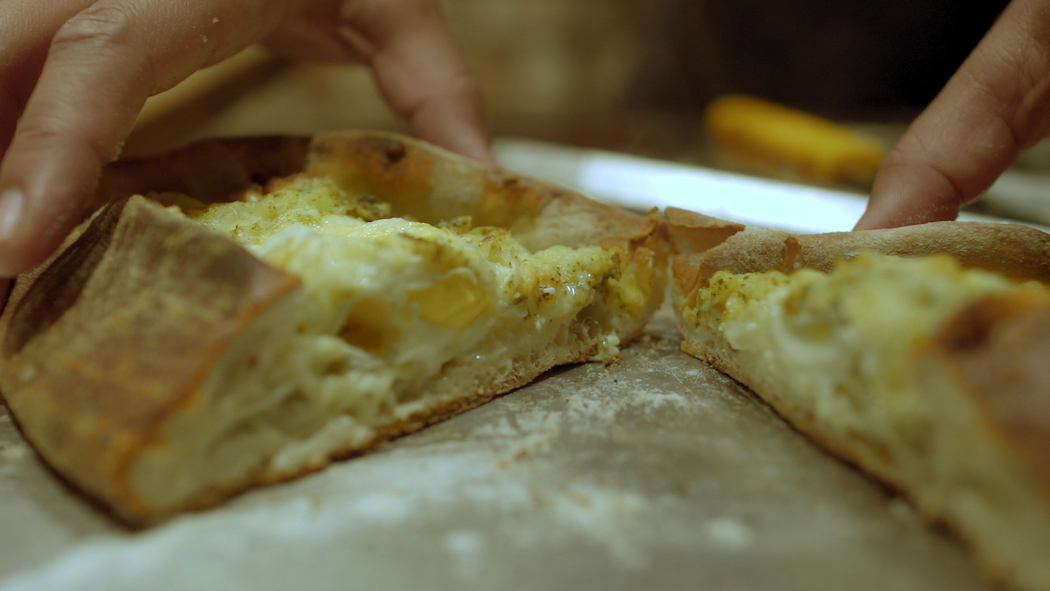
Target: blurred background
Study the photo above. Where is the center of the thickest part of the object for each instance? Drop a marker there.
(548, 69)
(631, 76)
(626, 74)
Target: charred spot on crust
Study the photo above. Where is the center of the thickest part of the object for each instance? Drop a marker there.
(57, 288)
(792, 256)
(972, 327)
(395, 152)
(969, 332)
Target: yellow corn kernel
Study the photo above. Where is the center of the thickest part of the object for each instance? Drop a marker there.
(770, 136)
(454, 301)
(371, 325)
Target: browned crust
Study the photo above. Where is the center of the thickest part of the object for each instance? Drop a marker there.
(419, 179)
(113, 334)
(432, 184)
(696, 232)
(1016, 251)
(97, 354)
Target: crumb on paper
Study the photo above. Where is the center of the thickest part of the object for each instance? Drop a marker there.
(610, 347)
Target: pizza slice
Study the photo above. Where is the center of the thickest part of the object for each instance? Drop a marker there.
(921, 354)
(242, 312)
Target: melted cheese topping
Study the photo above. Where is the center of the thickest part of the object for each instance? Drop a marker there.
(883, 300)
(392, 304)
(841, 339)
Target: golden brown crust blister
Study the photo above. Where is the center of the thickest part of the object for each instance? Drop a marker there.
(91, 373)
(1016, 251)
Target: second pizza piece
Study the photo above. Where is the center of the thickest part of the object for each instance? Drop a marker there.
(927, 370)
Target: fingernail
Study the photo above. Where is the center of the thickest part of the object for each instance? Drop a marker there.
(11, 203)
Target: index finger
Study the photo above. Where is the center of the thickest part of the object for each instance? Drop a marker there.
(102, 65)
(420, 71)
(996, 105)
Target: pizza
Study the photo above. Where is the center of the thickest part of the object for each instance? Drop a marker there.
(918, 354)
(242, 312)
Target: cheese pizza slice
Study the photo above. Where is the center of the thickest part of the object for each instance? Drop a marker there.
(243, 312)
(928, 367)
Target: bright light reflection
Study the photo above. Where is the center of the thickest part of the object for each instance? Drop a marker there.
(641, 184)
(746, 199)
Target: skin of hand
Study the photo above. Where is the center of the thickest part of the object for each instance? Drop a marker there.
(995, 106)
(74, 74)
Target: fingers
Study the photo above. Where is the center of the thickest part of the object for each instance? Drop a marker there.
(420, 71)
(995, 106)
(26, 28)
(101, 66)
(110, 55)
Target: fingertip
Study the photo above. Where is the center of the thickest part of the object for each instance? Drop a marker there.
(473, 146)
(12, 202)
(869, 221)
(31, 227)
(905, 210)
(456, 125)
(461, 126)
(882, 211)
(421, 72)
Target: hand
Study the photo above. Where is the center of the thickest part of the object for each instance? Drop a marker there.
(995, 106)
(78, 72)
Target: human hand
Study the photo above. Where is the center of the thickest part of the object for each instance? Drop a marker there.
(74, 75)
(995, 106)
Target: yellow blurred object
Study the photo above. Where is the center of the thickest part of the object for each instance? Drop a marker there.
(775, 138)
